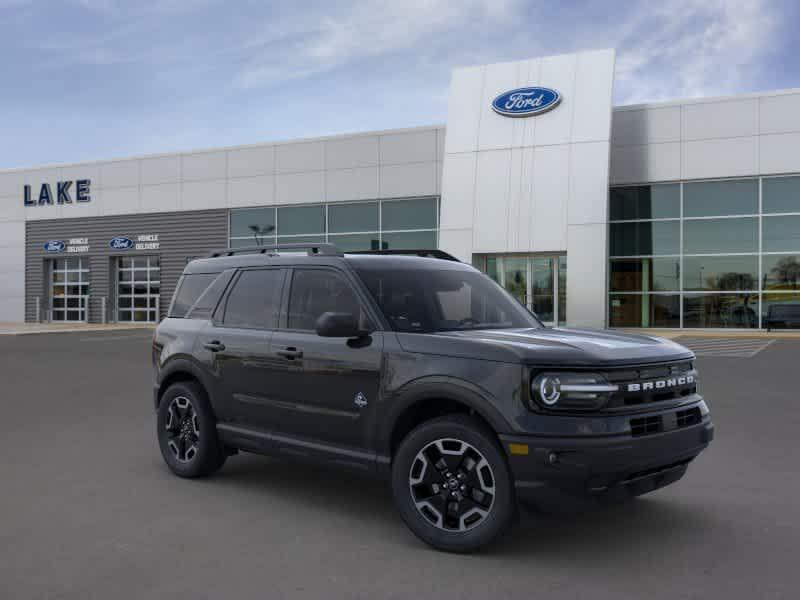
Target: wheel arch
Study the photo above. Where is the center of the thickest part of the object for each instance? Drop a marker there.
(433, 398)
(181, 370)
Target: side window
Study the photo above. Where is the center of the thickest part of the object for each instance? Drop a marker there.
(316, 291)
(189, 289)
(255, 300)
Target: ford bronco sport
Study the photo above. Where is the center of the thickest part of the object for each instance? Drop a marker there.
(423, 370)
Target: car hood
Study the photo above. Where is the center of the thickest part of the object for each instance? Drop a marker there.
(548, 346)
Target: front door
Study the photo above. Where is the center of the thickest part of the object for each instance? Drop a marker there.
(323, 388)
(537, 281)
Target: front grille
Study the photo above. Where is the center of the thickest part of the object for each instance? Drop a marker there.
(642, 376)
(688, 417)
(646, 425)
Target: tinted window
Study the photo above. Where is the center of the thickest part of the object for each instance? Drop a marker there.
(718, 198)
(189, 289)
(644, 275)
(781, 194)
(645, 202)
(719, 236)
(249, 221)
(423, 301)
(208, 300)
(316, 291)
(642, 239)
(344, 218)
(420, 213)
(254, 301)
(294, 220)
(721, 273)
(781, 234)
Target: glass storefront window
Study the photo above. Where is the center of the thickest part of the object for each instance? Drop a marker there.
(720, 310)
(779, 310)
(294, 220)
(358, 241)
(644, 310)
(645, 202)
(644, 239)
(411, 240)
(360, 216)
(419, 213)
(645, 275)
(252, 221)
(562, 289)
(780, 194)
(720, 198)
(721, 273)
(720, 236)
(781, 234)
(780, 272)
(302, 239)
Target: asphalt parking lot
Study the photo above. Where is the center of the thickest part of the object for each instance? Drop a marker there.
(88, 509)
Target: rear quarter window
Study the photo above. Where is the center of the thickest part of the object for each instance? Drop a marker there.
(190, 288)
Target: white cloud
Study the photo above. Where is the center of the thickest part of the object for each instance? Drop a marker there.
(689, 48)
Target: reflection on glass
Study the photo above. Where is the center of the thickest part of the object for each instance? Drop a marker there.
(780, 310)
(719, 236)
(244, 220)
(562, 290)
(543, 288)
(722, 273)
(780, 194)
(515, 271)
(720, 198)
(720, 310)
(302, 239)
(362, 216)
(419, 213)
(644, 310)
(358, 241)
(645, 275)
(301, 219)
(642, 239)
(412, 240)
(645, 202)
(781, 234)
(781, 272)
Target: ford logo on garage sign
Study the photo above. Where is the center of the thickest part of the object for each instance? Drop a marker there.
(121, 243)
(526, 102)
(54, 246)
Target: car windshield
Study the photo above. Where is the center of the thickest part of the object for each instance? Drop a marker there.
(431, 300)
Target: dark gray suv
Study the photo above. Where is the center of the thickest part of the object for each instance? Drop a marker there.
(420, 369)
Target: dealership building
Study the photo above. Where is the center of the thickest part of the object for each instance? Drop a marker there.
(676, 214)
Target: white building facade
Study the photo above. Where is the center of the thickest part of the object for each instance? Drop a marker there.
(679, 214)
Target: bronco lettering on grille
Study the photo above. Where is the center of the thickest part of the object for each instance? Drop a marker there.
(660, 384)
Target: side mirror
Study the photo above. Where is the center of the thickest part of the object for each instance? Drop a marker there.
(338, 324)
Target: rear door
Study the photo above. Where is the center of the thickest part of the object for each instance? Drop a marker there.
(323, 388)
(236, 342)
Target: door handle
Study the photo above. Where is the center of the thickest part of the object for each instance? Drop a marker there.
(290, 353)
(214, 346)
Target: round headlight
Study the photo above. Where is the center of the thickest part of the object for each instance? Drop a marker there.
(549, 390)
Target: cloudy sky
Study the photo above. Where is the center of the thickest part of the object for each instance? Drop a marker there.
(93, 79)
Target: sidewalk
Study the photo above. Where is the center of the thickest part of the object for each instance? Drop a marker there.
(29, 328)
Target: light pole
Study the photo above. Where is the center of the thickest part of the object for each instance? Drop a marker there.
(260, 231)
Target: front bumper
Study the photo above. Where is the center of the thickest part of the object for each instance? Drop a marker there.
(559, 472)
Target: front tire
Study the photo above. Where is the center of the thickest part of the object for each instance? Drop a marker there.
(452, 484)
(187, 432)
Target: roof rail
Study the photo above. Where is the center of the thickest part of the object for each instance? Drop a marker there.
(441, 254)
(312, 249)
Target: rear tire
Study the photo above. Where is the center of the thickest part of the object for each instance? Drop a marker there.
(452, 484)
(187, 431)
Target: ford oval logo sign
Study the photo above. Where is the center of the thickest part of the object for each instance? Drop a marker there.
(54, 246)
(121, 243)
(525, 102)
